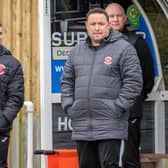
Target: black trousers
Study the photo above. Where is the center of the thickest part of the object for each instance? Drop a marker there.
(4, 142)
(132, 153)
(100, 154)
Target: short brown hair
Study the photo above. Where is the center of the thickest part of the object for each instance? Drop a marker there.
(97, 10)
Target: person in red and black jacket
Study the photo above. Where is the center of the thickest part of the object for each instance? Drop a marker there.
(11, 98)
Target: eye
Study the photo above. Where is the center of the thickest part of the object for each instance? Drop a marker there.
(101, 24)
(92, 24)
(111, 16)
(119, 16)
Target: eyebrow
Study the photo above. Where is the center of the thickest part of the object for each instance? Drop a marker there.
(116, 15)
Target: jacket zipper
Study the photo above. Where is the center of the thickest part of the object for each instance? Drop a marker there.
(89, 88)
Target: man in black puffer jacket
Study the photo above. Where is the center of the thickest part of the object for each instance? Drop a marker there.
(11, 98)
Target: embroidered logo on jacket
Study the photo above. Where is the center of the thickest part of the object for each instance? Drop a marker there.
(2, 69)
(108, 60)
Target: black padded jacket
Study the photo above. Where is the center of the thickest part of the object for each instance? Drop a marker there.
(11, 89)
(147, 66)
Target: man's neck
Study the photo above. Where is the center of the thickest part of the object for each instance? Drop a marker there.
(94, 44)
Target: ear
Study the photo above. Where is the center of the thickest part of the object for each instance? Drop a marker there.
(86, 24)
(125, 19)
(108, 25)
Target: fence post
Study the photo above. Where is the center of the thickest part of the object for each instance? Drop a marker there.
(29, 107)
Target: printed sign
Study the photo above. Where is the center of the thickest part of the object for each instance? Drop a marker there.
(138, 22)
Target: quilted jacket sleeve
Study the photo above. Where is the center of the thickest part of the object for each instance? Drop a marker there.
(15, 93)
(67, 85)
(132, 81)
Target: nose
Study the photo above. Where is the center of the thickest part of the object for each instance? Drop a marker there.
(97, 27)
(115, 18)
